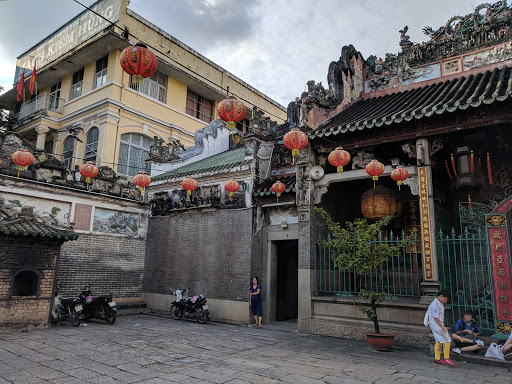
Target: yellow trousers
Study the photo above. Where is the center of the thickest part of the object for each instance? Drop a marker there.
(445, 347)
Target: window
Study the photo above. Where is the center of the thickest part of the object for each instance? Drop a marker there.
(91, 146)
(154, 87)
(48, 147)
(243, 126)
(67, 152)
(54, 97)
(25, 284)
(133, 151)
(199, 107)
(100, 78)
(76, 86)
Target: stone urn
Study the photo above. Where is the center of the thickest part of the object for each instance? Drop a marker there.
(379, 202)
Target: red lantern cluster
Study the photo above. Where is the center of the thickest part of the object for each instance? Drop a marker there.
(139, 62)
(231, 111)
(278, 188)
(295, 140)
(399, 174)
(189, 184)
(22, 159)
(142, 180)
(339, 158)
(89, 171)
(231, 186)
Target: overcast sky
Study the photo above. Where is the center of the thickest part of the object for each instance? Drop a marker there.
(274, 45)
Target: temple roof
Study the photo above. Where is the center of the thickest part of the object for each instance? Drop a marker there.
(265, 188)
(225, 160)
(33, 228)
(448, 96)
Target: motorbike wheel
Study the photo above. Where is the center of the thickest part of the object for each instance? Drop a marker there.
(201, 316)
(176, 313)
(74, 318)
(110, 316)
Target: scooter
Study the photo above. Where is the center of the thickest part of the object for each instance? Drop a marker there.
(194, 308)
(99, 307)
(66, 308)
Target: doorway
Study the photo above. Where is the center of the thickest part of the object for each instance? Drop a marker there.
(287, 293)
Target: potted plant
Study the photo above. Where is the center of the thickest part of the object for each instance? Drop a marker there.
(356, 251)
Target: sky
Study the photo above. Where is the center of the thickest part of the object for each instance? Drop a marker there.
(274, 45)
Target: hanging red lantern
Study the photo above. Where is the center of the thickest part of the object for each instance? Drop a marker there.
(189, 184)
(374, 168)
(22, 159)
(339, 158)
(278, 188)
(231, 111)
(139, 62)
(295, 140)
(399, 174)
(142, 180)
(231, 186)
(88, 170)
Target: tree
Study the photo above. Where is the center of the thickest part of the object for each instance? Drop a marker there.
(356, 251)
(7, 122)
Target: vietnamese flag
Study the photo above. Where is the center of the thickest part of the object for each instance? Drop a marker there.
(21, 86)
(33, 80)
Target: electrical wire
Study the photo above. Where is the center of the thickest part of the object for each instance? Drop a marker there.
(176, 62)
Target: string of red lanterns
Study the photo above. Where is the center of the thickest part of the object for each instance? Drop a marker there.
(22, 158)
(295, 140)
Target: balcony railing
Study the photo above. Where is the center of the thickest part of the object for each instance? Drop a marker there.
(43, 102)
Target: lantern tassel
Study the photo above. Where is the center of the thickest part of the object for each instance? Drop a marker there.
(453, 166)
(230, 125)
(399, 183)
(472, 162)
(489, 174)
(448, 169)
(277, 199)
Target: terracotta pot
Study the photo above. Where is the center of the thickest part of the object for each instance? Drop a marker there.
(380, 202)
(380, 341)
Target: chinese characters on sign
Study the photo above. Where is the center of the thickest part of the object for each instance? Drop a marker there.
(425, 223)
(500, 264)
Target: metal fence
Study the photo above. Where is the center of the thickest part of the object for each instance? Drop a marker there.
(464, 271)
(400, 276)
(42, 102)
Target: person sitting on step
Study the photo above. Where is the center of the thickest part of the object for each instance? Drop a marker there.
(507, 348)
(466, 335)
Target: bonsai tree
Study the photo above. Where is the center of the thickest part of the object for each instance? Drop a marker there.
(356, 251)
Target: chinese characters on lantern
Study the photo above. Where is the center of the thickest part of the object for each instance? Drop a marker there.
(425, 223)
(500, 264)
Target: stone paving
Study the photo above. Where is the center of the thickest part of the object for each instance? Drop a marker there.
(158, 350)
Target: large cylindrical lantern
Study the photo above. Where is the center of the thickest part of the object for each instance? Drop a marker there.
(374, 168)
(22, 159)
(231, 111)
(89, 170)
(231, 186)
(142, 180)
(377, 203)
(189, 185)
(399, 174)
(295, 140)
(339, 158)
(278, 188)
(139, 62)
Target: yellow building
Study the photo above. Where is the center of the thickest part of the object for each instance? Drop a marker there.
(87, 108)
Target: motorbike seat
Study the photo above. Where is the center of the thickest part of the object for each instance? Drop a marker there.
(67, 300)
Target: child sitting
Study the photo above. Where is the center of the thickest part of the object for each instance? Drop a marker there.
(466, 333)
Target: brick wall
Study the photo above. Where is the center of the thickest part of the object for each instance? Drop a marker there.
(207, 251)
(109, 264)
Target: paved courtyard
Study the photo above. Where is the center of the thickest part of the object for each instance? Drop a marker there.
(157, 350)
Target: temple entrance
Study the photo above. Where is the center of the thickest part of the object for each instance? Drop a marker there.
(287, 280)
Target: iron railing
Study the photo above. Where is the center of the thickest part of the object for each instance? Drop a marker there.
(43, 102)
(464, 271)
(400, 276)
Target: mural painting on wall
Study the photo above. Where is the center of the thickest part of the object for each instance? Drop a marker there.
(50, 212)
(450, 67)
(404, 75)
(110, 221)
(165, 203)
(495, 55)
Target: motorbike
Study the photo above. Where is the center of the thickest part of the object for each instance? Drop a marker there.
(194, 308)
(98, 307)
(66, 309)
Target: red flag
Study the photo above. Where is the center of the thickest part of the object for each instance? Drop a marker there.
(21, 86)
(33, 80)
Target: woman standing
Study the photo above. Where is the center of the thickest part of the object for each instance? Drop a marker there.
(255, 301)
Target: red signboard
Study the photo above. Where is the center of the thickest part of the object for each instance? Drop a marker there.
(500, 263)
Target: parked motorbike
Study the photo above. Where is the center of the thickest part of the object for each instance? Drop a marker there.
(194, 308)
(66, 308)
(99, 307)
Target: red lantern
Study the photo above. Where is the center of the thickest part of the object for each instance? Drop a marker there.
(399, 174)
(339, 158)
(142, 180)
(278, 188)
(231, 111)
(375, 169)
(189, 184)
(295, 140)
(139, 62)
(88, 170)
(22, 159)
(231, 186)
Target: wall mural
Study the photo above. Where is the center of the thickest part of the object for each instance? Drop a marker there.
(110, 221)
(404, 75)
(495, 55)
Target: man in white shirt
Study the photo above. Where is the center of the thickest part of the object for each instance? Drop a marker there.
(441, 334)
